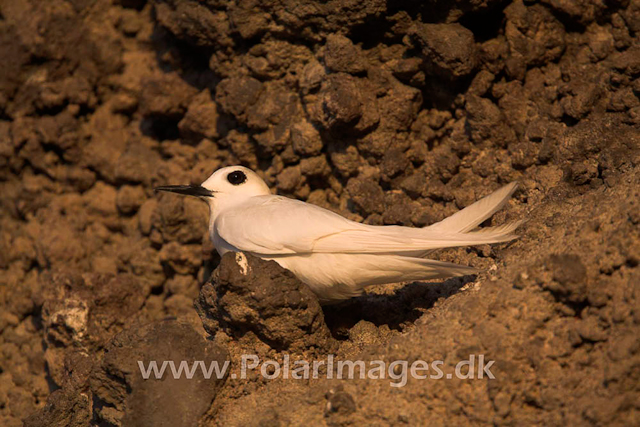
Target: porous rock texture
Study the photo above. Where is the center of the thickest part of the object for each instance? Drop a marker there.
(386, 112)
(250, 296)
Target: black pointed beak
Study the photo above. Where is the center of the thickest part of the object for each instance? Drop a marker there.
(189, 190)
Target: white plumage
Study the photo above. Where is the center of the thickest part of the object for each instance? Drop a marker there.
(335, 256)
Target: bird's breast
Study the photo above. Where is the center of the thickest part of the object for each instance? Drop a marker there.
(221, 245)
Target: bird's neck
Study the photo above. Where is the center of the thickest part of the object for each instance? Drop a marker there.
(221, 203)
(217, 206)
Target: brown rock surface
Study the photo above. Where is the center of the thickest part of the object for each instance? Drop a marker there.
(386, 112)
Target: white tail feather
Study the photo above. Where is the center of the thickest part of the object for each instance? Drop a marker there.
(500, 230)
(475, 214)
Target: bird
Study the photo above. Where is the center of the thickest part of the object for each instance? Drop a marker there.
(336, 257)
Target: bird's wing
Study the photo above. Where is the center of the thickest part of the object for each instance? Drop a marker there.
(277, 225)
(401, 240)
(273, 225)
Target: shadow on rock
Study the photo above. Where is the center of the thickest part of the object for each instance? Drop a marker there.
(113, 390)
(396, 310)
(250, 296)
(126, 397)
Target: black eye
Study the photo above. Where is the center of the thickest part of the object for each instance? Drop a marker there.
(236, 177)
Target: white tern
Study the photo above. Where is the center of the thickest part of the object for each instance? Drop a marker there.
(336, 257)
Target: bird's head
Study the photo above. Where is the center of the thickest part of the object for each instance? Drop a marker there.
(229, 183)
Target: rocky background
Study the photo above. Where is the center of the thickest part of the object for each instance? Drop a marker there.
(388, 112)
